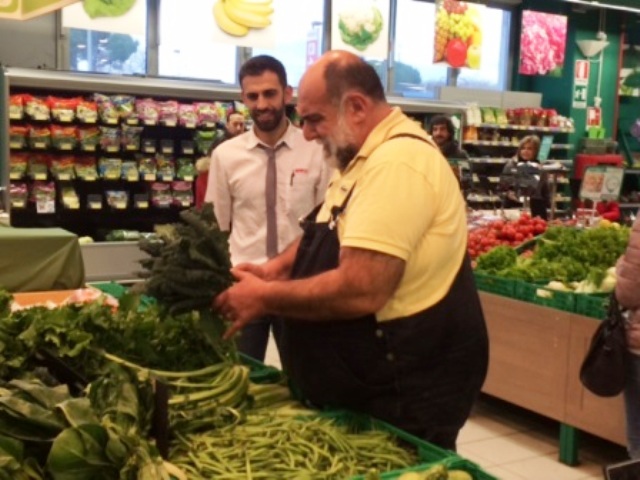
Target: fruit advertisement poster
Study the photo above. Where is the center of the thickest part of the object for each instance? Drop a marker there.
(361, 27)
(128, 17)
(246, 23)
(458, 34)
(543, 41)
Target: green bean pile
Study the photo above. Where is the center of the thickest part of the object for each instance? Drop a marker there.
(267, 446)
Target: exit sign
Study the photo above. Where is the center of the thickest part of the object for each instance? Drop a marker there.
(579, 96)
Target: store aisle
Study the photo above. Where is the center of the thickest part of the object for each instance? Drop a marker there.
(514, 444)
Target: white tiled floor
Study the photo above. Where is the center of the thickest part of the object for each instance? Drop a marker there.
(514, 444)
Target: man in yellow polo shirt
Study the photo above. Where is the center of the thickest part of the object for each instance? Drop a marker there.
(381, 311)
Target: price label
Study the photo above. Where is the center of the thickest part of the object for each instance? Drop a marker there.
(89, 148)
(72, 205)
(112, 148)
(65, 117)
(150, 122)
(188, 151)
(149, 149)
(111, 176)
(45, 206)
(167, 178)
(15, 176)
(40, 176)
(142, 204)
(185, 203)
(132, 177)
(132, 121)
(209, 124)
(188, 178)
(64, 176)
(170, 123)
(149, 177)
(131, 147)
(167, 150)
(15, 116)
(90, 178)
(41, 117)
(190, 125)
(15, 145)
(111, 121)
(39, 145)
(89, 120)
(66, 146)
(121, 205)
(95, 205)
(17, 203)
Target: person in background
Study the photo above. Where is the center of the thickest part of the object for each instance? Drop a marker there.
(263, 181)
(522, 176)
(381, 312)
(628, 294)
(234, 126)
(442, 131)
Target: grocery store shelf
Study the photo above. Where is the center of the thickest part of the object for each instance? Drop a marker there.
(527, 128)
(496, 160)
(477, 197)
(632, 171)
(491, 143)
(630, 205)
(562, 146)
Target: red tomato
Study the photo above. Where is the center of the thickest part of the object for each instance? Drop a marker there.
(456, 53)
(519, 237)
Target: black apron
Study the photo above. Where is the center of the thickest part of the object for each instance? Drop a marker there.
(420, 373)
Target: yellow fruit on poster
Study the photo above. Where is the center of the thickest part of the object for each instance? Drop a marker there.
(473, 57)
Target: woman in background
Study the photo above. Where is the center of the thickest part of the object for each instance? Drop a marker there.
(522, 176)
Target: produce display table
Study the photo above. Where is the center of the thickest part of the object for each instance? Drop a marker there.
(35, 259)
(535, 357)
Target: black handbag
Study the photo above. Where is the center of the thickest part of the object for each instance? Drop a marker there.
(603, 370)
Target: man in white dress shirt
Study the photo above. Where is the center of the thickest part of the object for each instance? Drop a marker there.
(260, 205)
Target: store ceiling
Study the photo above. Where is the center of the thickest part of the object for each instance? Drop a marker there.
(626, 5)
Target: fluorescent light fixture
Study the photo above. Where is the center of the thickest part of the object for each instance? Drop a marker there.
(596, 4)
(591, 48)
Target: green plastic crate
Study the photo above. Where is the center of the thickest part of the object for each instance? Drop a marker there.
(427, 453)
(547, 297)
(117, 291)
(259, 372)
(452, 463)
(493, 284)
(594, 306)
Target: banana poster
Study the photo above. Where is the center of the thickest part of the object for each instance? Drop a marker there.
(26, 9)
(458, 34)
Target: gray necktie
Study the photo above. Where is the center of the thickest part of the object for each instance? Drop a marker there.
(271, 182)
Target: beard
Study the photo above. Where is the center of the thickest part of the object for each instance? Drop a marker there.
(270, 122)
(340, 152)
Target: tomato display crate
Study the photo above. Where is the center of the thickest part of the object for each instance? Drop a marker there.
(547, 297)
(452, 463)
(493, 284)
(594, 306)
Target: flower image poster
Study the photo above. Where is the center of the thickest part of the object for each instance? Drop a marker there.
(458, 34)
(543, 41)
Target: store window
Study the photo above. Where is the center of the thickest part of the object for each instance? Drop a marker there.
(191, 45)
(300, 44)
(103, 43)
(415, 73)
(187, 47)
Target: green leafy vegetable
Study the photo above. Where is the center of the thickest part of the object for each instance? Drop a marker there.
(107, 8)
(360, 26)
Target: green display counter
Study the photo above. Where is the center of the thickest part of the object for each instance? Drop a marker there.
(37, 259)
